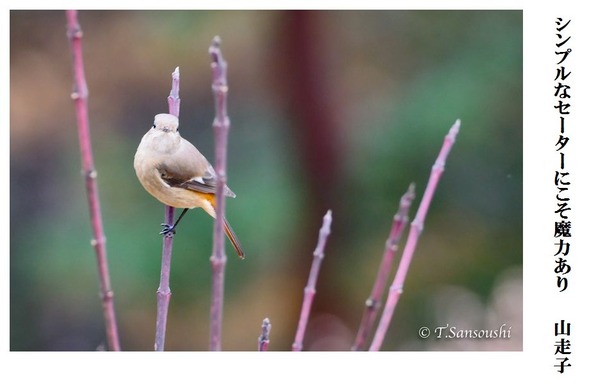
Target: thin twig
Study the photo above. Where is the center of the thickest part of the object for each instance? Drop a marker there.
(263, 339)
(221, 130)
(310, 289)
(413, 237)
(173, 98)
(163, 294)
(373, 303)
(80, 97)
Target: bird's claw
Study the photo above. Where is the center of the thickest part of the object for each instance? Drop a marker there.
(167, 230)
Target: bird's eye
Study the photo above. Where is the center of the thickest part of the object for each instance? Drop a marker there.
(154, 125)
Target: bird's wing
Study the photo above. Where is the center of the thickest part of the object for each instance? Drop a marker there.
(193, 172)
(207, 183)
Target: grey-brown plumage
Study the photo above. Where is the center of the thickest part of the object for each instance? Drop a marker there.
(173, 171)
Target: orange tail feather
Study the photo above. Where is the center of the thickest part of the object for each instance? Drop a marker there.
(228, 230)
(234, 240)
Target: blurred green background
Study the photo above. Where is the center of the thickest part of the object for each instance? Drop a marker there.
(335, 110)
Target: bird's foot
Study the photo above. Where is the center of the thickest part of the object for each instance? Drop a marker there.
(167, 230)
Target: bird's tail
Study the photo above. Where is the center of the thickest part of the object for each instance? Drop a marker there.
(234, 240)
(228, 230)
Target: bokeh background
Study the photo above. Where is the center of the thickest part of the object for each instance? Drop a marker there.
(335, 110)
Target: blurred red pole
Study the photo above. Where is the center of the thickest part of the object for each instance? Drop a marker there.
(307, 86)
(312, 105)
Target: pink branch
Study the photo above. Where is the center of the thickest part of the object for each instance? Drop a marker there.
(310, 289)
(163, 294)
(173, 99)
(221, 130)
(413, 237)
(391, 248)
(80, 96)
(263, 339)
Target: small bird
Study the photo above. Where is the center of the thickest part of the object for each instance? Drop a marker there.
(172, 170)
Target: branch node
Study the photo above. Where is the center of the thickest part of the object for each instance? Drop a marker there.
(418, 225)
(391, 244)
(371, 303)
(90, 173)
(98, 241)
(263, 339)
(106, 296)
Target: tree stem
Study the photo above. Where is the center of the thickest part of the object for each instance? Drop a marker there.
(80, 97)
(373, 303)
(310, 289)
(221, 131)
(413, 237)
(163, 294)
